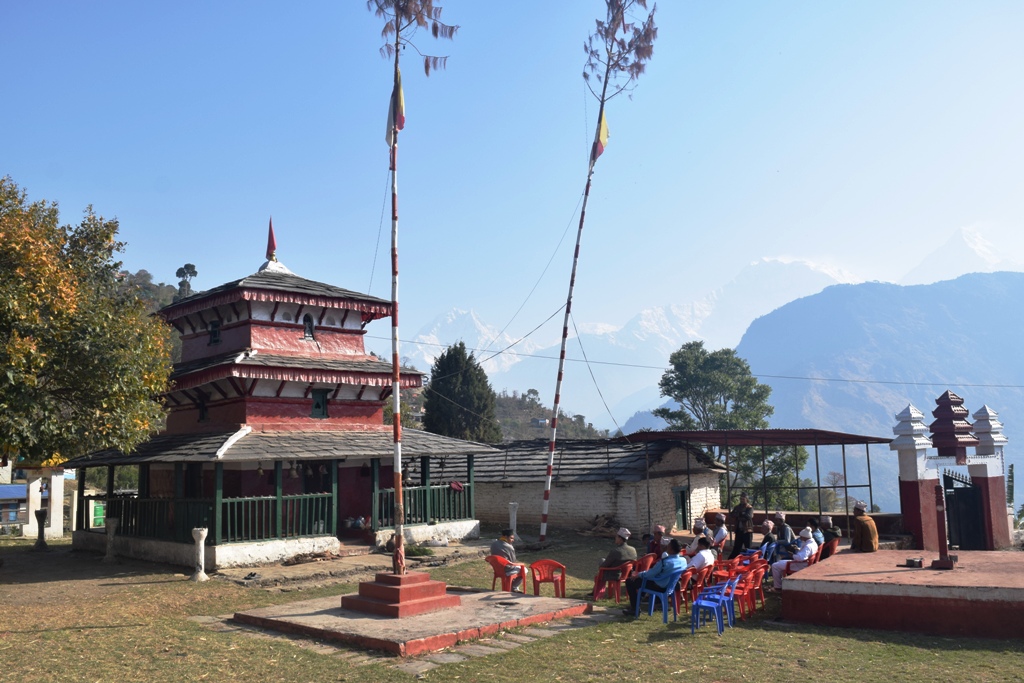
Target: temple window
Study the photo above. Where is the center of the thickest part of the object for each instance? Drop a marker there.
(307, 326)
(214, 329)
(204, 412)
(319, 403)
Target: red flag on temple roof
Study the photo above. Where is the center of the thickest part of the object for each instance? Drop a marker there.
(271, 243)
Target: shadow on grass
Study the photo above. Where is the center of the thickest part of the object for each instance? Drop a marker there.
(75, 628)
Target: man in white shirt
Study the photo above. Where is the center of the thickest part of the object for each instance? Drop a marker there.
(704, 556)
(807, 548)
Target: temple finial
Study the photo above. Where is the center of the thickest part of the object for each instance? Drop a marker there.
(271, 242)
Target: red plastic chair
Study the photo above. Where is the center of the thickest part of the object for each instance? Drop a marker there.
(725, 570)
(746, 590)
(702, 579)
(498, 564)
(829, 549)
(548, 571)
(604, 583)
(645, 563)
(682, 593)
(802, 564)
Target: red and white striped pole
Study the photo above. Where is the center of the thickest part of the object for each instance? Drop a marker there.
(565, 326)
(396, 379)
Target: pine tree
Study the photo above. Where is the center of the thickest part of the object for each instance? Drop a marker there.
(459, 399)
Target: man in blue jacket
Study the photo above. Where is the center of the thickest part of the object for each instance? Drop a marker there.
(658, 575)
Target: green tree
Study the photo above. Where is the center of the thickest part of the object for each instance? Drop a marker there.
(459, 400)
(82, 360)
(716, 390)
(185, 275)
(523, 416)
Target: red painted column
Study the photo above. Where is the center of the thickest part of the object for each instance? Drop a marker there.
(917, 505)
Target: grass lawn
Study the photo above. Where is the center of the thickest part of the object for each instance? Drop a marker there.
(67, 617)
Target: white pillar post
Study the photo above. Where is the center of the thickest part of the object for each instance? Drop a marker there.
(111, 526)
(34, 502)
(199, 534)
(55, 525)
(512, 510)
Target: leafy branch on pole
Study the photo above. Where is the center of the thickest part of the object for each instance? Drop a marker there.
(402, 19)
(617, 54)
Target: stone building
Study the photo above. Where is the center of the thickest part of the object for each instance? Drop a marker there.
(658, 481)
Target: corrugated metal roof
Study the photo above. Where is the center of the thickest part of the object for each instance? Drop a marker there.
(281, 445)
(582, 460)
(757, 437)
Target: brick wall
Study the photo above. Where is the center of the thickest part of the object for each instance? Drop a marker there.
(576, 505)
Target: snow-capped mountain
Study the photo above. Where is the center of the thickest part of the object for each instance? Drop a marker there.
(967, 250)
(457, 325)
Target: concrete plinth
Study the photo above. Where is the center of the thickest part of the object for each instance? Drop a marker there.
(391, 595)
(480, 615)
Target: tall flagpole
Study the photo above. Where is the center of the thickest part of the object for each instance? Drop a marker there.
(395, 123)
(600, 138)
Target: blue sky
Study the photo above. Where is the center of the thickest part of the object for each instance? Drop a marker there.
(853, 134)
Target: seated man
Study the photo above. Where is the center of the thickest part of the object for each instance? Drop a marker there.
(720, 532)
(786, 538)
(807, 548)
(828, 529)
(619, 555)
(816, 534)
(704, 556)
(864, 535)
(699, 529)
(767, 539)
(502, 547)
(654, 544)
(657, 576)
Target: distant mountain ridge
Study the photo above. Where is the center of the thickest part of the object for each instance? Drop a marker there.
(877, 347)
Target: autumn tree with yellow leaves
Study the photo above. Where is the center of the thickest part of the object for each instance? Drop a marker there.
(82, 364)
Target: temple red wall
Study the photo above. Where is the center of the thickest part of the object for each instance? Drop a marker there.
(993, 506)
(287, 339)
(917, 504)
(279, 413)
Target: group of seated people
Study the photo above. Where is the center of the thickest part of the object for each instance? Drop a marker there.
(791, 550)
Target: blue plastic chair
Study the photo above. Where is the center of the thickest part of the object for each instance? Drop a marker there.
(703, 606)
(722, 594)
(664, 595)
(768, 552)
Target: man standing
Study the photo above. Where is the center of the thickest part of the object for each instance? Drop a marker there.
(619, 555)
(743, 524)
(864, 537)
(657, 576)
(502, 547)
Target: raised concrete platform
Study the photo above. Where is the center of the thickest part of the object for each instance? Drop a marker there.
(401, 596)
(982, 597)
(481, 614)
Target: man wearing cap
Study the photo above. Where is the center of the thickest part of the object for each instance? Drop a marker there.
(743, 524)
(503, 547)
(700, 530)
(654, 545)
(828, 529)
(864, 537)
(767, 539)
(619, 555)
(720, 533)
(807, 548)
(657, 576)
(786, 538)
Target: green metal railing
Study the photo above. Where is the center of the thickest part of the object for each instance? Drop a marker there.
(424, 505)
(241, 519)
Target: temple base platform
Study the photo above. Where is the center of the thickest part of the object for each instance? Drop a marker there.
(982, 596)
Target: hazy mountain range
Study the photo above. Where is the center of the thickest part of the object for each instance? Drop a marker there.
(875, 347)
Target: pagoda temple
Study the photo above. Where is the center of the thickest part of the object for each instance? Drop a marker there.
(275, 438)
